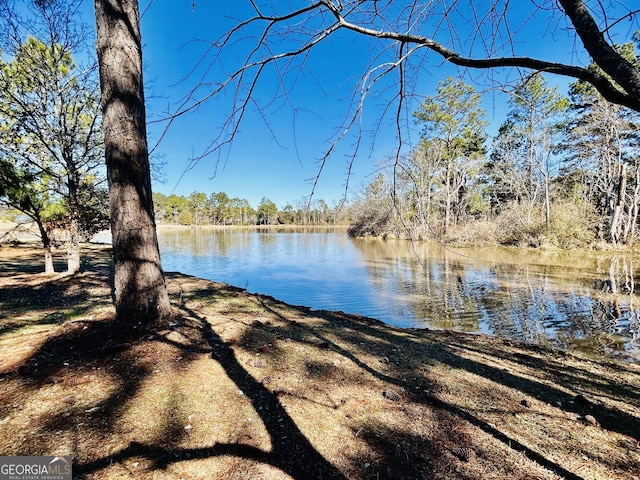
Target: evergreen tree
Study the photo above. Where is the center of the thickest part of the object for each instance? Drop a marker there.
(50, 133)
(267, 212)
(453, 126)
(527, 142)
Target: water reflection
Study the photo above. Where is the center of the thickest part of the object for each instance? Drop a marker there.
(578, 302)
(542, 297)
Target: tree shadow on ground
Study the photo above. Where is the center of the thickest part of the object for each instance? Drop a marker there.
(32, 263)
(291, 451)
(76, 355)
(31, 304)
(385, 354)
(572, 390)
(78, 349)
(578, 385)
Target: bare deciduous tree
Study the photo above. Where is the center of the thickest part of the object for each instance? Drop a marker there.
(405, 38)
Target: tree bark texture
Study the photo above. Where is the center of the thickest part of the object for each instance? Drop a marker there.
(141, 296)
(625, 73)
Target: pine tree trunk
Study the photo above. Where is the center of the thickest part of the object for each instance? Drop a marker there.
(141, 297)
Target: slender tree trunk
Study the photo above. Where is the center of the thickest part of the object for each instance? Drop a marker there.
(618, 209)
(546, 173)
(447, 212)
(46, 245)
(73, 247)
(632, 217)
(141, 296)
(547, 203)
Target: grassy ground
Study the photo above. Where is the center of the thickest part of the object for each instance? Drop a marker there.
(243, 386)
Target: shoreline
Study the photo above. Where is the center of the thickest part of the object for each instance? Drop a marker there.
(29, 234)
(501, 256)
(166, 226)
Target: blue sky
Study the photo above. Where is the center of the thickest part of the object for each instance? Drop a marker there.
(275, 161)
(276, 152)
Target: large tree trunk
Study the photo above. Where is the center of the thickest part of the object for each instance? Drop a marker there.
(140, 290)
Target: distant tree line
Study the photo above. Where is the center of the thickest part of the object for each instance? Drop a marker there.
(562, 170)
(220, 209)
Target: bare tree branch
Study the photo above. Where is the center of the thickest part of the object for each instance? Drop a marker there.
(469, 34)
(625, 74)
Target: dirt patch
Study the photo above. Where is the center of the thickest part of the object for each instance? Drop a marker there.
(243, 386)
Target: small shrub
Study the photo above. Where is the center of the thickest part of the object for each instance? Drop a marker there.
(474, 232)
(573, 225)
(515, 225)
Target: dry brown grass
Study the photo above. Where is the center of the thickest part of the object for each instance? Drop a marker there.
(243, 386)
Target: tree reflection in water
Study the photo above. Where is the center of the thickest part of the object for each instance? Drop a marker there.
(577, 302)
(580, 301)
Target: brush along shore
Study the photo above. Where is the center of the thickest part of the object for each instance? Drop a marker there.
(243, 386)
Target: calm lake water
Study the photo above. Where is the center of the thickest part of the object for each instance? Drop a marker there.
(578, 302)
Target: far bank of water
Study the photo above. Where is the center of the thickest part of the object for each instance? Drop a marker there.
(576, 301)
